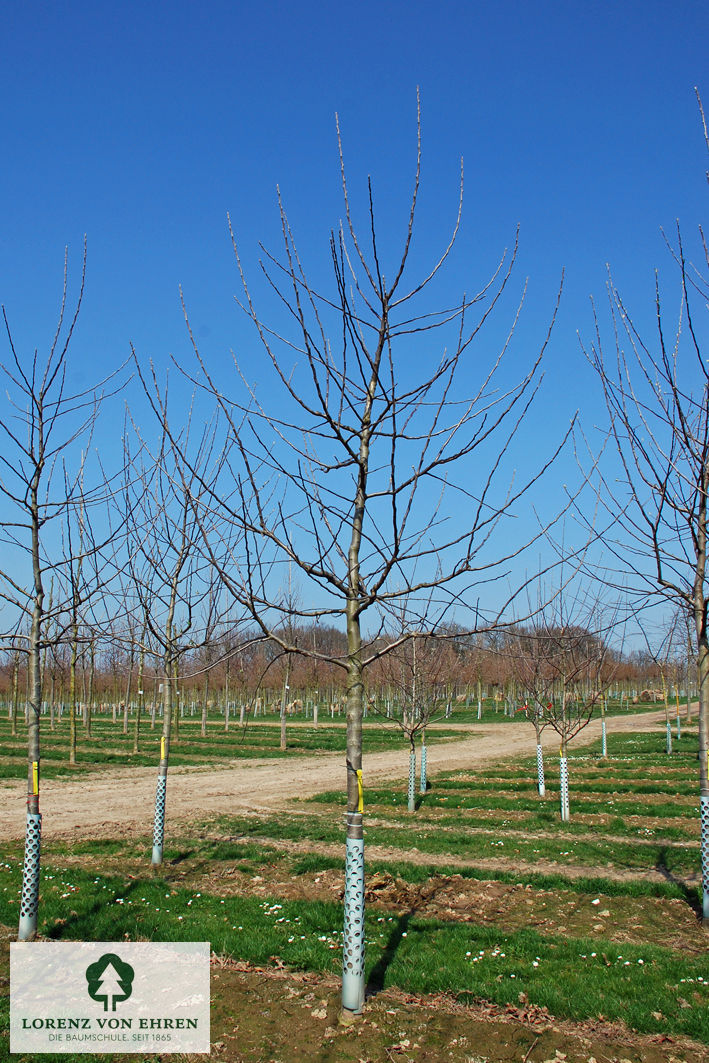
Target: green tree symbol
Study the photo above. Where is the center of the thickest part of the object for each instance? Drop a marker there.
(110, 980)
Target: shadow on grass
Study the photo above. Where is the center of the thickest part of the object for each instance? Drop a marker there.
(78, 926)
(690, 893)
(377, 977)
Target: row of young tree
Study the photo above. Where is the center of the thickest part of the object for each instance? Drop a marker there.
(238, 667)
(369, 482)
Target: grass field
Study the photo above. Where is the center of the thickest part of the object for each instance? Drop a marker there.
(108, 746)
(482, 901)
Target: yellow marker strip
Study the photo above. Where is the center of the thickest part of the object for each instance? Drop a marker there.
(360, 792)
(162, 748)
(35, 777)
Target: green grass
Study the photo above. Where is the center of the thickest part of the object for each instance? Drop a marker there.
(109, 747)
(471, 846)
(465, 815)
(576, 978)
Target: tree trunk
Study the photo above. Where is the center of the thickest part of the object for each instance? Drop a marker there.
(15, 694)
(703, 663)
(284, 698)
(160, 792)
(203, 728)
(29, 903)
(72, 695)
(129, 688)
(88, 708)
(541, 783)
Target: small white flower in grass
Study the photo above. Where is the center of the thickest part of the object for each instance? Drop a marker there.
(535, 963)
(641, 961)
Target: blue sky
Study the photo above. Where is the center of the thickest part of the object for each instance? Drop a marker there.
(141, 125)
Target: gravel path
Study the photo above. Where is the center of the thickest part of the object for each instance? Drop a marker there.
(121, 800)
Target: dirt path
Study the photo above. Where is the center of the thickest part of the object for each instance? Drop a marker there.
(123, 798)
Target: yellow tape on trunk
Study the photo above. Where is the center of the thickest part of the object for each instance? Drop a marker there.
(360, 792)
(35, 777)
(162, 748)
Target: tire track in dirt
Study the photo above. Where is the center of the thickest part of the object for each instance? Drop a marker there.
(122, 799)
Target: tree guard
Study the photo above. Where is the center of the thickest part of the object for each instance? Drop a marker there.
(353, 938)
(411, 801)
(424, 782)
(540, 771)
(704, 814)
(159, 822)
(564, 787)
(29, 904)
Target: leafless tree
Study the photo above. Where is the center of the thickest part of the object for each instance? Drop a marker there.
(564, 661)
(414, 671)
(657, 395)
(376, 467)
(46, 428)
(168, 565)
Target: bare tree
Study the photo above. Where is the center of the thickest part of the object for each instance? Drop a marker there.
(169, 568)
(46, 426)
(375, 468)
(565, 663)
(657, 395)
(414, 670)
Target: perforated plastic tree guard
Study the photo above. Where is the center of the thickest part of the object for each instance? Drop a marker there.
(669, 738)
(704, 813)
(412, 781)
(540, 772)
(564, 785)
(29, 902)
(424, 756)
(604, 746)
(353, 940)
(159, 823)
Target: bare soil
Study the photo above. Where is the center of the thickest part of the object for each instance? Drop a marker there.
(271, 1016)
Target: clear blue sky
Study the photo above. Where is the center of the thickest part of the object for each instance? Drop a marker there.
(141, 125)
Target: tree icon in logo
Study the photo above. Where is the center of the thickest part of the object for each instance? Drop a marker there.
(110, 980)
